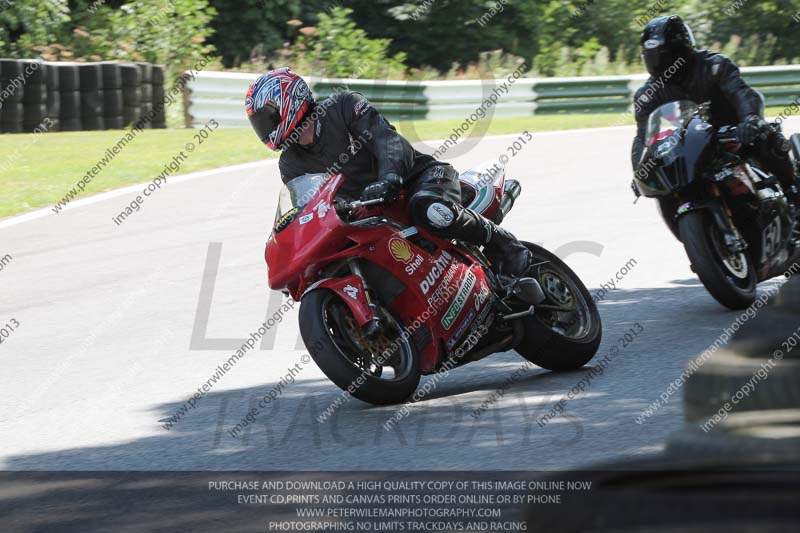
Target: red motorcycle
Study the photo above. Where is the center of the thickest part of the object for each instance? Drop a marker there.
(384, 302)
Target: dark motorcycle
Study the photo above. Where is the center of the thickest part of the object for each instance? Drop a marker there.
(735, 222)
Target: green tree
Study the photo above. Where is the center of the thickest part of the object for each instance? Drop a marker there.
(766, 30)
(25, 24)
(172, 32)
(440, 33)
(338, 48)
(243, 25)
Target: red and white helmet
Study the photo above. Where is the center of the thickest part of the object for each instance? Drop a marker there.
(277, 102)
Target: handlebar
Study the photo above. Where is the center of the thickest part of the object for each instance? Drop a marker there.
(728, 134)
(365, 203)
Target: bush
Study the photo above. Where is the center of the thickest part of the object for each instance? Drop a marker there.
(172, 32)
(337, 48)
(26, 24)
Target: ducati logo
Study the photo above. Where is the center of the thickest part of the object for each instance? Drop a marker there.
(439, 268)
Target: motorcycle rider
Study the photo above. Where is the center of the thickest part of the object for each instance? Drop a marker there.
(680, 72)
(321, 137)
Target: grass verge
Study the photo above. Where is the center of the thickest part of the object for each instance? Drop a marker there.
(39, 170)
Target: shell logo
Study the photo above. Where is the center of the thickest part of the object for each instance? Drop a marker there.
(400, 250)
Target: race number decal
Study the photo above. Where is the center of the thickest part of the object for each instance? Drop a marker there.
(772, 239)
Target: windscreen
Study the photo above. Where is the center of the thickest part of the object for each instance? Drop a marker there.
(665, 125)
(294, 196)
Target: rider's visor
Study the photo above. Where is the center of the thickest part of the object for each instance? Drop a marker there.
(265, 121)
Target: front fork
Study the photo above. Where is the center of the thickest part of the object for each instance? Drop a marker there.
(374, 326)
(723, 218)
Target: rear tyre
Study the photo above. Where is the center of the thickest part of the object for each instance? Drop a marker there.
(566, 331)
(730, 279)
(90, 76)
(68, 77)
(352, 361)
(53, 103)
(112, 75)
(91, 103)
(112, 102)
(130, 114)
(70, 124)
(114, 122)
(70, 105)
(146, 70)
(131, 76)
(34, 93)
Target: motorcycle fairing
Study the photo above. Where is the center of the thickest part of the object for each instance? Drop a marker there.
(437, 283)
(351, 290)
(442, 285)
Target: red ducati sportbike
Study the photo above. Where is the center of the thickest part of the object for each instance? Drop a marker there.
(384, 302)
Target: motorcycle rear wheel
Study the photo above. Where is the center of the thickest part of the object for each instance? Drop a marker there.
(730, 280)
(351, 360)
(566, 331)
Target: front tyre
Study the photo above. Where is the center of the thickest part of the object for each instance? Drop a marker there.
(566, 331)
(383, 369)
(730, 278)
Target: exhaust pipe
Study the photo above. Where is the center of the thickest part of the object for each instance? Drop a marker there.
(794, 140)
(511, 191)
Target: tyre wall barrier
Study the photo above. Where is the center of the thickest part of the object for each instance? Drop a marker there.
(38, 96)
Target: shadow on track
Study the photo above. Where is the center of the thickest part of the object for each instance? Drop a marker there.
(440, 432)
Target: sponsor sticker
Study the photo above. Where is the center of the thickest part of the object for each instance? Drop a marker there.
(402, 252)
(440, 215)
(663, 150)
(361, 106)
(481, 297)
(438, 268)
(720, 176)
(305, 219)
(436, 299)
(461, 329)
(462, 296)
(652, 43)
(322, 209)
(351, 291)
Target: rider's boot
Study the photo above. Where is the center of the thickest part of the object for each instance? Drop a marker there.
(508, 256)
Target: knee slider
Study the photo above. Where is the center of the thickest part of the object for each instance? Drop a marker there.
(432, 212)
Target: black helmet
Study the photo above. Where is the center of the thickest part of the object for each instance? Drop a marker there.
(664, 41)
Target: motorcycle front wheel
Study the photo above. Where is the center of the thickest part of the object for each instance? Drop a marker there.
(381, 369)
(730, 278)
(566, 330)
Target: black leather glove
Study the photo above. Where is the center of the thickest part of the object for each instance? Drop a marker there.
(386, 188)
(752, 129)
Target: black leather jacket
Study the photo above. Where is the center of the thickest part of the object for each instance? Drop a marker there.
(707, 76)
(353, 138)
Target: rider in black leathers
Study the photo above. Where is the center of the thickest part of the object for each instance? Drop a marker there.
(679, 72)
(350, 136)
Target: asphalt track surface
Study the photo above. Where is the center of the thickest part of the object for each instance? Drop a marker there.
(103, 353)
